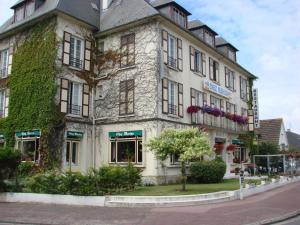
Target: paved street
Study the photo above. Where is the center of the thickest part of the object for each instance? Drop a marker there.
(260, 207)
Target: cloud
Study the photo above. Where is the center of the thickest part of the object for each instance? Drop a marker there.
(267, 35)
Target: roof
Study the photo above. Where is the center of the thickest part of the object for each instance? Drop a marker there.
(75, 8)
(122, 12)
(269, 130)
(293, 140)
(222, 42)
(162, 3)
(17, 3)
(196, 24)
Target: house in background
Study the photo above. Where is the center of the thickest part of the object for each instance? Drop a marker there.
(293, 140)
(273, 131)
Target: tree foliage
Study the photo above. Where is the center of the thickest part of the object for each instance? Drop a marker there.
(268, 148)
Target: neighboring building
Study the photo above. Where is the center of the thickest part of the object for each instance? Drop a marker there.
(293, 140)
(168, 64)
(273, 131)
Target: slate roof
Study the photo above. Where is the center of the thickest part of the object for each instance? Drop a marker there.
(293, 139)
(220, 41)
(161, 3)
(195, 24)
(269, 130)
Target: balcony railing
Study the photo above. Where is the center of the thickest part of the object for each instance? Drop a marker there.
(172, 109)
(3, 72)
(219, 122)
(74, 110)
(172, 62)
(76, 62)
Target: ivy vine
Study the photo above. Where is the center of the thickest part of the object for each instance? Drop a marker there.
(33, 88)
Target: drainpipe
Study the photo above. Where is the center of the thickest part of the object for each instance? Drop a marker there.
(94, 128)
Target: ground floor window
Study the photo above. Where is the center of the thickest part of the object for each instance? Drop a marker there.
(126, 147)
(174, 159)
(29, 148)
(240, 155)
(72, 151)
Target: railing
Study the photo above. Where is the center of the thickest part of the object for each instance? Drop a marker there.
(219, 122)
(172, 62)
(76, 62)
(3, 72)
(74, 110)
(172, 109)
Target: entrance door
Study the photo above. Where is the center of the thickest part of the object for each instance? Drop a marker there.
(72, 153)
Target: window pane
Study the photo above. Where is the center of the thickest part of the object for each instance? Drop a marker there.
(113, 152)
(68, 152)
(126, 151)
(140, 152)
(74, 152)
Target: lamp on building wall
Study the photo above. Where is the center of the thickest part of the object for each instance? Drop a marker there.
(250, 120)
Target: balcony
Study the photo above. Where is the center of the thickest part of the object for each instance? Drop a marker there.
(74, 110)
(218, 122)
(76, 62)
(172, 62)
(3, 72)
(172, 109)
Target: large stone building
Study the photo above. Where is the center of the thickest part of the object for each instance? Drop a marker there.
(168, 66)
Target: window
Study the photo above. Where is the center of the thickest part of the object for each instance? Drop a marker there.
(231, 55)
(209, 38)
(72, 152)
(2, 103)
(4, 63)
(244, 87)
(215, 102)
(75, 98)
(172, 51)
(76, 52)
(30, 7)
(229, 79)
(172, 58)
(199, 61)
(231, 108)
(19, 13)
(100, 92)
(213, 70)
(126, 97)
(126, 149)
(128, 50)
(174, 159)
(179, 17)
(198, 98)
(29, 148)
(172, 98)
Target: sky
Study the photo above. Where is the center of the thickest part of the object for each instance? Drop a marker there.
(267, 33)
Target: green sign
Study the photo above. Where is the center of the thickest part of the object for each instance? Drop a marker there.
(133, 133)
(25, 134)
(237, 142)
(74, 134)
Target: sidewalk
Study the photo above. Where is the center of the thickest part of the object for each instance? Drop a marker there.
(260, 207)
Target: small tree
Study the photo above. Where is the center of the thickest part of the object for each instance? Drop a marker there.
(188, 144)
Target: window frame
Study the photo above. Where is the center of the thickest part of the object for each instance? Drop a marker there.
(77, 161)
(172, 59)
(243, 89)
(214, 70)
(4, 67)
(129, 86)
(126, 41)
(230, 79)
(73, 53)
(172, 102)
(70, 99)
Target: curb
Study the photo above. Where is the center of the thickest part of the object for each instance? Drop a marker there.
(277, 219)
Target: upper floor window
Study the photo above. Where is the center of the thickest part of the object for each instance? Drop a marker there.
(229, 79)
(213, 70)
(215, 102)
(128, 50)
(179, 17)
(75, 98)
(231, 55)
(198, 61)
(244, 88)
(231, 108)
(4, 63)
(126, 97)
(76, 52)
(172, 51)
(172, 97)
(209, 38)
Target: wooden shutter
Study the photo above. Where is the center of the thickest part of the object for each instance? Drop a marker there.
(165, 46)
(64, 94)
(179, 55)
(10, 58)
(85, 100)
(192, 58)
(226, 77)
(6, 103)
(87, 55)
(66, 48)
(165, 96)
(247, 90)
(211, 68)
(180, 100)
(203, 60)
(193, 103)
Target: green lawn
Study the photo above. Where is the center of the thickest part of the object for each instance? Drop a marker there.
(166, 190)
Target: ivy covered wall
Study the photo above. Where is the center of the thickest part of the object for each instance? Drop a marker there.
(33, 89)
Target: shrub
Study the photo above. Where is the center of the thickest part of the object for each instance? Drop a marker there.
(208, 171)
(25, 169)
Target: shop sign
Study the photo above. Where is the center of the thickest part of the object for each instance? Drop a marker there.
(134, 133)
(25, 134)
(213, 87)
(237, 142)
(74, 134)
(255, 108)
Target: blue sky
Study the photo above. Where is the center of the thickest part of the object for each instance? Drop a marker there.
(267, 34)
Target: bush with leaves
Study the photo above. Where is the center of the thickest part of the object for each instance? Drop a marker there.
(208, 171)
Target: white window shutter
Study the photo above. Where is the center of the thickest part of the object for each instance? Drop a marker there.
(85, 100)
(64, 95)
(192, 58)
(165, 96)
(66, 48)
(10, 58)
(179, 55)
(87, 55)
(6, 103)
(180, 100)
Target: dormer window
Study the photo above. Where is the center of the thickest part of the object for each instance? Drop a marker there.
(231, 54)
(209, 38)
(24, 9)
(179, 17)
